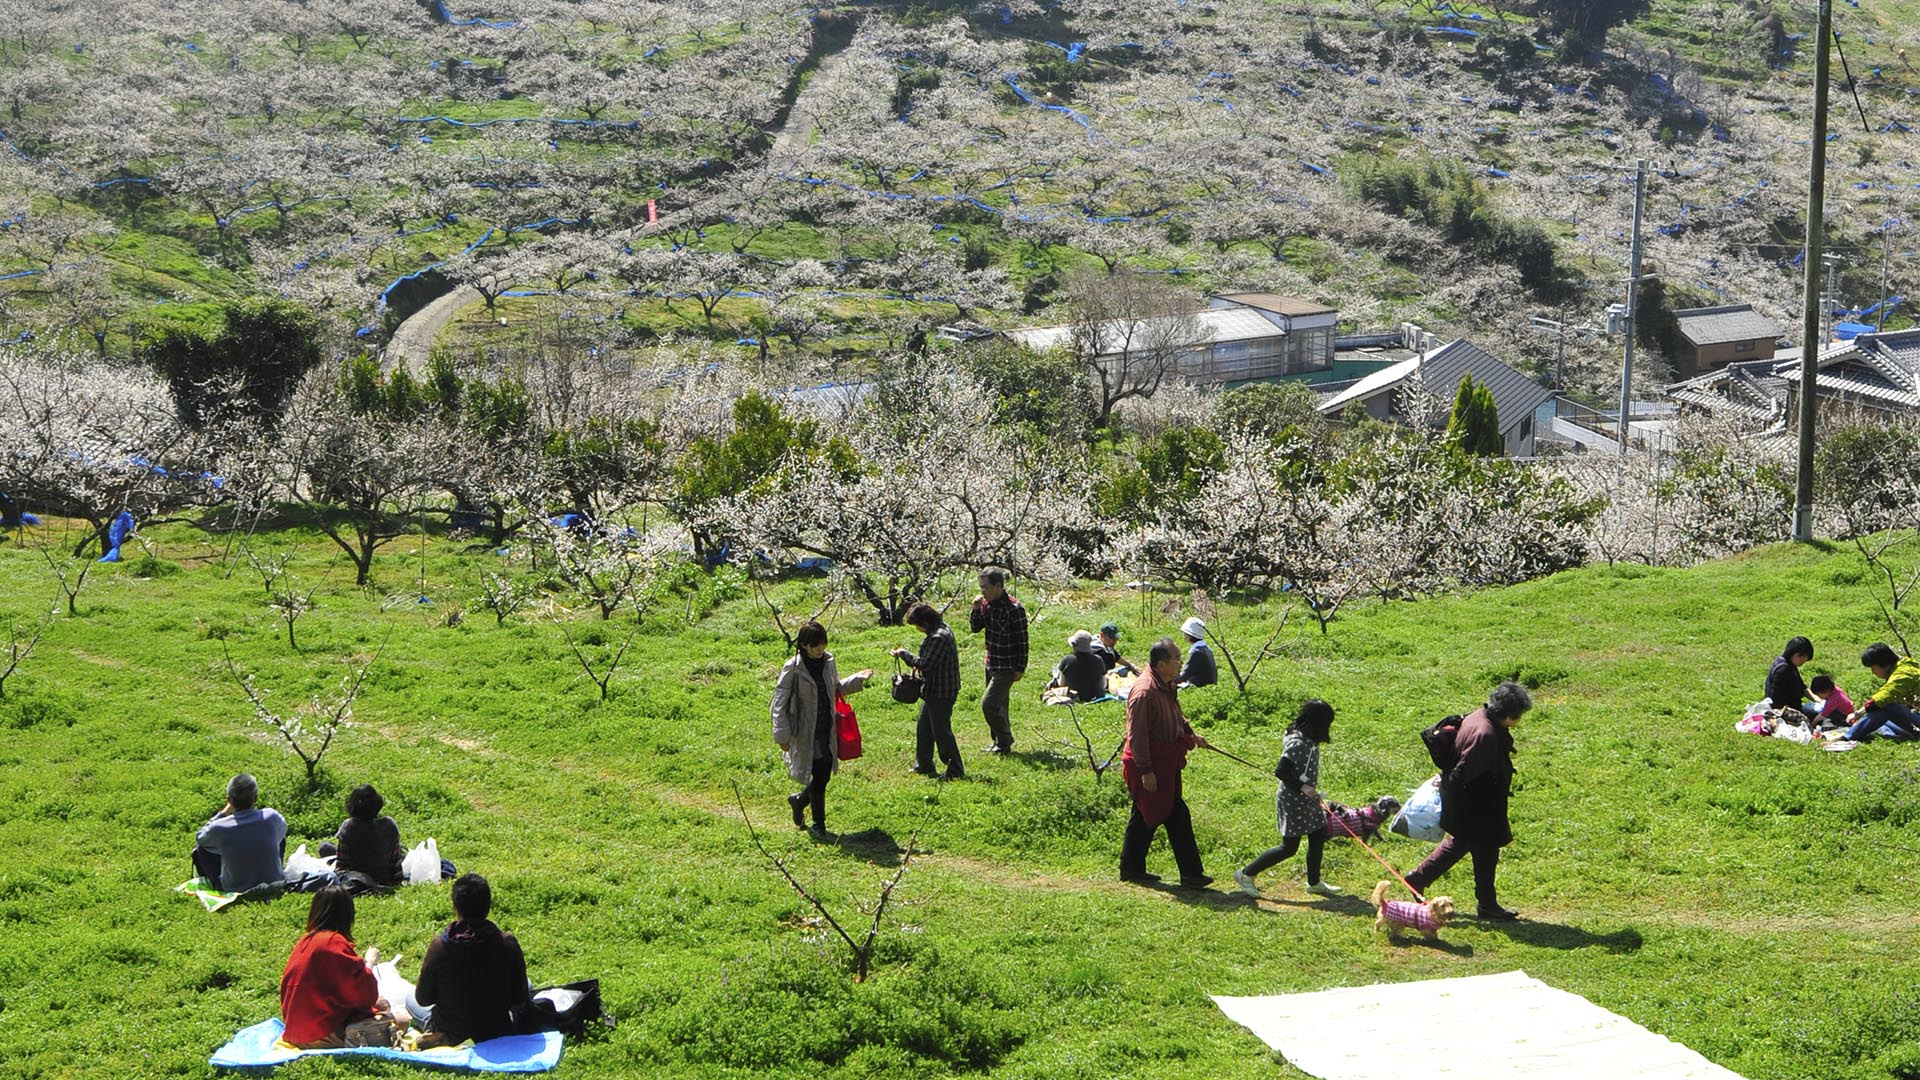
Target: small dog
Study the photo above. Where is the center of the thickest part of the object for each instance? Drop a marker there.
(1362, 822)
(1394, 915)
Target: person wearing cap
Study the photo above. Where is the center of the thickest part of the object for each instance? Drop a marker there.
(1200, 669)
(1108, 649)
(1082, 671)
(997, 614)
(243, 845)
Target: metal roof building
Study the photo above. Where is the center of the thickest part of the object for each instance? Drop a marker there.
(1438, 372)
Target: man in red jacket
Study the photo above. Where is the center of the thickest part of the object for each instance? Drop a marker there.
(1158, 738)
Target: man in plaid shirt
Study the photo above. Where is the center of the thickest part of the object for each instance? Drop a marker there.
(938, 663)
(1005, 623)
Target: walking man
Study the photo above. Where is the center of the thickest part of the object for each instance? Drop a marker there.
(1158, 738)
(1004, 621)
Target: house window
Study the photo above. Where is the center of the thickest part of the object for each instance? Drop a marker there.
(1743, 346)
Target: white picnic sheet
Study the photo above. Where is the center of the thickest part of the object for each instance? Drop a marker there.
(1483, 1027)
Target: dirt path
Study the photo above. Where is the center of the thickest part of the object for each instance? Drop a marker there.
(797, 134)
(413, 342)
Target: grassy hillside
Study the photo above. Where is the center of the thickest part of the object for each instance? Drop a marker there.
(1749, 898)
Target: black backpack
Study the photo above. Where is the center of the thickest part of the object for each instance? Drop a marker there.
(567, 1009)
(1439, 739)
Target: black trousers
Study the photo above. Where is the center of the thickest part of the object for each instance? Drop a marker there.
(1186, 853)
(1316, 847)
(935, 730)
(207, 865)
(1486, 860)
(816, 793)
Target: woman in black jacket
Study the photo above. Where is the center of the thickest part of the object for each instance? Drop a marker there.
(1785, 688)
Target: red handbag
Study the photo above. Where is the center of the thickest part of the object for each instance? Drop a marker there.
(847, 728)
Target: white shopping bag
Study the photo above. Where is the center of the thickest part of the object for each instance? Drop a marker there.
(422, 864)
(299, 864)
(1419, 816)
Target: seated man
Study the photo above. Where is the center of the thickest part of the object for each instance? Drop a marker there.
(472, 976)
(243, 845)
(1891, 706)
(1108, 649)
(1200, 669)
(1082, 671)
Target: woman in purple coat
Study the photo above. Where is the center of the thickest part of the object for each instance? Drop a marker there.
(1473, 798)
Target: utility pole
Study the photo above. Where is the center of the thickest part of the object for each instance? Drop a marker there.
(1810, 308)
(1633, 299)
(1886, 256)
(1829, 300)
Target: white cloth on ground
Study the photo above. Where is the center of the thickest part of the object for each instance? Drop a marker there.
(1483, 1027)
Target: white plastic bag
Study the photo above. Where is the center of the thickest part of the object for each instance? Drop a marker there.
(393, 986)
(1419, 816)
(300, 864)
(422, 864)
(1799, 733)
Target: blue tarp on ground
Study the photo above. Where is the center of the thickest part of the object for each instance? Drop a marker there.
(258, 1047)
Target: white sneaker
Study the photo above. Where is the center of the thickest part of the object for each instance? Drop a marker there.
(1245, 881)
(1324, 889)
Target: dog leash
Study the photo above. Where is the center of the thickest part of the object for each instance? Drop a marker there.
(1344, 827)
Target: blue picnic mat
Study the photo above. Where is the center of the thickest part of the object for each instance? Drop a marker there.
(258, 1047)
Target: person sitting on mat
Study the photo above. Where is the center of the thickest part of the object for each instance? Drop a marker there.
(1108, 649)
(1835, 705)
(1082, 671)
(328, 996)
(243, 845)
(1785, 688)
(1891, 707)
(473, 975)
(367, 843)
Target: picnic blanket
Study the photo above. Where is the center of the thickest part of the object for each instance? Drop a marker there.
(211, 898)
(259, 1047)
(1483, 1027)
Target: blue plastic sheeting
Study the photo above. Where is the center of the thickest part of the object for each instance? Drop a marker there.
(1073, 51)
(259, 1047)
(384, 293)
(1454, 30)
(1320, 169)
(123, 180)
(117, 533)
(440, 12)
(1070, 114)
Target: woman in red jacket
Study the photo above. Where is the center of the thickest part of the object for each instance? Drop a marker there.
(327, 986)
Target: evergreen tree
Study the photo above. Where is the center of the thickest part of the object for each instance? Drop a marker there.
(1474, 423)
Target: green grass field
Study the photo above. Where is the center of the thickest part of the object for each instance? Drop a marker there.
(1749, 898)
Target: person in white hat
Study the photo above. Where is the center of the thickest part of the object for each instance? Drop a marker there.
(1200, 669)
(1082, 671)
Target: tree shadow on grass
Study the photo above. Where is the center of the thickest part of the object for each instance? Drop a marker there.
(1046, 759)
(876, 846)
(1548, 935)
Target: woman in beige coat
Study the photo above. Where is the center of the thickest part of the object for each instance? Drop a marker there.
(804, 723)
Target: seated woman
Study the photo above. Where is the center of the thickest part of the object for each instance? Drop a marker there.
(1785, 688)
(1083, 671)
(473, 975)
(368, 843)
(327, 987)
